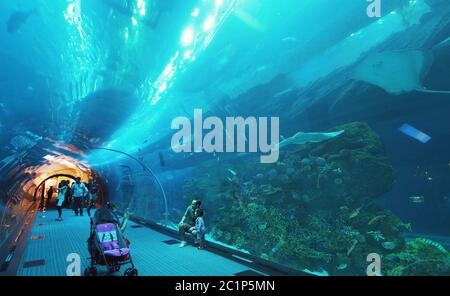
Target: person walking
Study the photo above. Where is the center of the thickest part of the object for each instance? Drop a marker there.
(79, 191)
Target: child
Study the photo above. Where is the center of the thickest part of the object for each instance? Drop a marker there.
(199, 229)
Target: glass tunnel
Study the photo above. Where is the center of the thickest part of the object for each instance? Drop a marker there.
(225, 137)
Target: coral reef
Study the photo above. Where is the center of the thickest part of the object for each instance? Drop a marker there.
(419, 257)
(313, 209)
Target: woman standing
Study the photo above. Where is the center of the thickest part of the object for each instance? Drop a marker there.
(62, 190)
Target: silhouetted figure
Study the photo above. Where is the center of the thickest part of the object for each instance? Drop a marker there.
(68, 198)
(50, 192)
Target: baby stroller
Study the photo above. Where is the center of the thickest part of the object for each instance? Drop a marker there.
(106, 244)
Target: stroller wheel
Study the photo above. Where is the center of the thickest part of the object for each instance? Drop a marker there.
(114, 269)
(131, 272)
(90, 271)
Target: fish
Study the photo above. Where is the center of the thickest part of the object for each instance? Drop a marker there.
(151, 15)
(417, 199)
(443, 43)
(355, 213)
(397, 72)
(232, 172)
(282, 93)
(303, 138)
(18, 19)
(433, 243)
(162, 162)
(289, 39)
(406, 226)
(352, 247)
(249, 20)
(321, 272)
(375, 219)
(389, 245)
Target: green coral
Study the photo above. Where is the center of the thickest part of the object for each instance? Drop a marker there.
(313, 209)
(376, 235)
(420, 257)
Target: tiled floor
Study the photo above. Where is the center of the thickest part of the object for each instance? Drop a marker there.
(47, 255)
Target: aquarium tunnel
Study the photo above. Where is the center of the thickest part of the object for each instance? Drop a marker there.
(150, 106)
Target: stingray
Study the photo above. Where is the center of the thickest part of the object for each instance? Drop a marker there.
(396, 71)
(18, 19)
(301, 138)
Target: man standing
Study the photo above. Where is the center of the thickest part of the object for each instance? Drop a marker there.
(79, 191)
(188, 221)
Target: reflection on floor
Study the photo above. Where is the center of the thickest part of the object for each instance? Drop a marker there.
(153, 253)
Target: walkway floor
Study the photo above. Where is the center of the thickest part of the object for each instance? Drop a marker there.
(50, 242)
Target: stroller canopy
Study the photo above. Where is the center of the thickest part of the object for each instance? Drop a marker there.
(105, 215)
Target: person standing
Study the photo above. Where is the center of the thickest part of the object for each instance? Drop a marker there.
(84, 204)
(62, 190)
(93, 194)
(49, 195)
(79, 191)
(68, 201)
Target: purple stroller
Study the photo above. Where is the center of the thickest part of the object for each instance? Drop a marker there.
(108, 247)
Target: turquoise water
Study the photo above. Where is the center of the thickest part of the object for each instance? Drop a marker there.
(362, 105)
